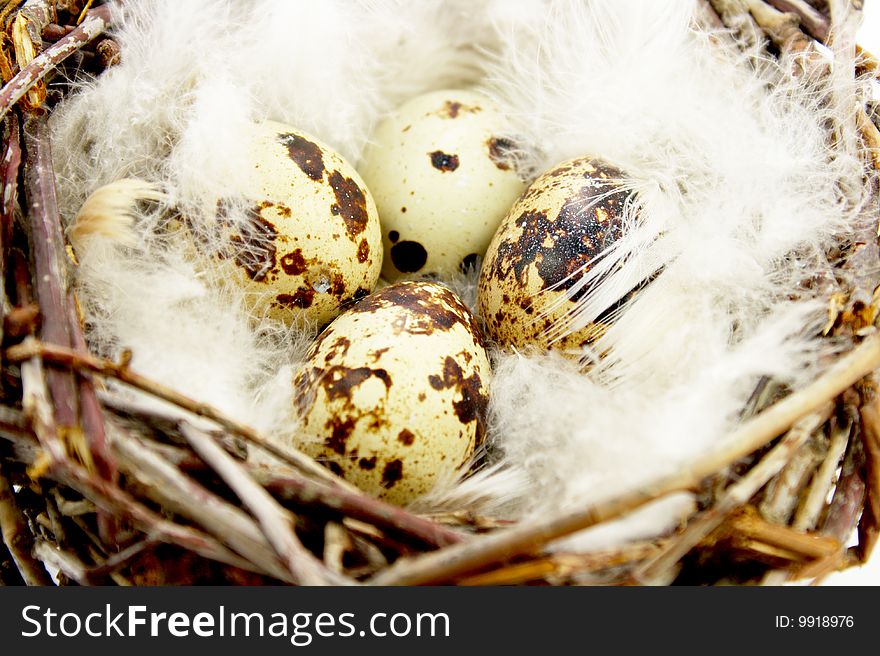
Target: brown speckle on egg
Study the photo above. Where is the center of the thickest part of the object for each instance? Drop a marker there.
(333, 466)
(363, 252)
(283, 229)
(302, 298)
(408, 256)
(443, 161)
(307, 155)
(392, 473)
(293, 263)
(350, 203)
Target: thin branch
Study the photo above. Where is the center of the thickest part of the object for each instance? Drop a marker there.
(457, 560)
(9, 170)
(733, 497)
(870, 521)
(47, 60)
(65, 562)
(807, 516)
(392, 520)
(812, 21)
(165, 484)
(119, 560)
(276, 522)
(50, 268)
(783, 493)
(121, 372)
(17, 537)
(75, 404)
(104, 494)
(848, 501)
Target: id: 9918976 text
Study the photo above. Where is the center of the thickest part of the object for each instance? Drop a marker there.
(815, 622)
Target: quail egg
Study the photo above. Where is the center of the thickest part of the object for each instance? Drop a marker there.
(310, 242)
(442, 173)
(529, 281)
(393, 393)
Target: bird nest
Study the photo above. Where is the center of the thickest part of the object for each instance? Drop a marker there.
(97, 490)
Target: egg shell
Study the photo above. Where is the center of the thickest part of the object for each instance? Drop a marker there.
(441, 173)
(311, 242)
(543, 248)
(394, 392)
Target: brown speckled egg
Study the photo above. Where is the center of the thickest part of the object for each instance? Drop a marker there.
(394, 392)
(543, 247)
(441, 171)
(312, 241)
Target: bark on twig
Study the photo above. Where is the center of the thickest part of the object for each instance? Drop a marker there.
(165, 484)
(121, 372)
(17, 537)
(808, 514)
(47, 60)
(811, 20)
(276, 522)
(734, 497)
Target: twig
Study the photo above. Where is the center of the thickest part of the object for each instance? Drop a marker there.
(50, 269)
(65, 562)
(735, 15)
(9, 179)
(275, 521)
(86, 362)
(395, 522)
(111, 498)
(90, 408)
(870, 522)
(166, 485)
(750, 529)
(811, 20)
(18, 86)
(18, 538)
(807, 516)
(119, 560)
(784, 491)
(457, 560)
(337, 542)
(103, 494)
(565, 566)
(75, 404)
(733, 497)
(849, 496)
(392, 520)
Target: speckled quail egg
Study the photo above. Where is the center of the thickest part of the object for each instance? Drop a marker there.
(441, 171)
(393, 393)
(544, 246)
(311, 240)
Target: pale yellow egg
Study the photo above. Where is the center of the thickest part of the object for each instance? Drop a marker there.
(530, 280)
(394, 392)
(441, 171)
(311, 241)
